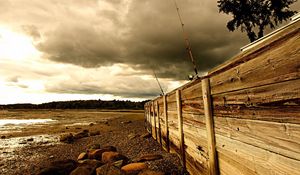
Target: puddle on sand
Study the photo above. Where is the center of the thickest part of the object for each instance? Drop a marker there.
(8, 146)
(5, 122)
(8, 125)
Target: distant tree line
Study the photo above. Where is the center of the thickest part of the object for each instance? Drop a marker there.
(79, 104)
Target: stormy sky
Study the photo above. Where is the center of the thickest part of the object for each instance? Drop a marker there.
(106, 49)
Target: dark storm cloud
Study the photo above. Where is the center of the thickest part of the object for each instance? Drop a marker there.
(81, 45)
(143, 34)
(147, 37)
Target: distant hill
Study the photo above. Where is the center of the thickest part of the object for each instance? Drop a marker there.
(79, 104)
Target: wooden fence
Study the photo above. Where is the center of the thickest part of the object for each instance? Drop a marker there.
(242, 118)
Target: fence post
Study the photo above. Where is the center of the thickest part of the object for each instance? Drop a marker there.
(154, 119)
(158, 118)
(180, 128)
(145, 117)
(209, 126)
(166, 123)
(150, 120)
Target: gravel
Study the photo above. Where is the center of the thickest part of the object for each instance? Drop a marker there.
(29, 160)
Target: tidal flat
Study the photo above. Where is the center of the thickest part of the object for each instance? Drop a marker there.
(30, 138)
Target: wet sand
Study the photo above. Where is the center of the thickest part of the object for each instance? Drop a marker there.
(28, 148)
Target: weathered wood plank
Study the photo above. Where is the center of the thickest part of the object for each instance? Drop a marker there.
(194, 120)
(196, 138)
(236, 157)
(174, 141)
(171, 97)
(180, 128)
(280, 63)
(193, 106)
(278, 102)
(213, 169)
(277, 39)
(154, 132)
(280, 138)
(150, 119)
(256, 102)
(158, 124)
(196, 167)
(192, 92)
(166, 123)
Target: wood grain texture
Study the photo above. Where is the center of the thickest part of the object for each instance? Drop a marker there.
(274, 65)
(236, 157)
(194, 106)
(195, 167)
(165, 102)
(255, 102)
(180, 128)
(208, 112)
(278, 102)
(154, 132)
(280, 138)
(277, 39)
(150, 119)
(158, 123)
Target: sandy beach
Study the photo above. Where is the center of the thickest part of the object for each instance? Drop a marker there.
(26, 148)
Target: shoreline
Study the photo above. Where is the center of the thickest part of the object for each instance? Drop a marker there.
(120, 130)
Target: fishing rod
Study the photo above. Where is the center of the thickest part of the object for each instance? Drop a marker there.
(161, 89)
(186, 38)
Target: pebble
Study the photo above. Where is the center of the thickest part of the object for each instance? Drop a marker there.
(82, 156)
(108, 157)
(134, 168)
(150, 157)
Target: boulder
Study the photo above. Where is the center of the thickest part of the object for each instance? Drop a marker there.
(87, 167)
(82, 156)
(108, 169)
(109, 157)
(64, 167)
(82, 134)
(134, 168)
(149, 157)
(67, 138)
(97, 154)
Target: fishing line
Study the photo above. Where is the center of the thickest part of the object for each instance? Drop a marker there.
(161, 89)
(186, 38)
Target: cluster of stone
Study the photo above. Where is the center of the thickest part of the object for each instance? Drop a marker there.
(70, 137)
(103, 161)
